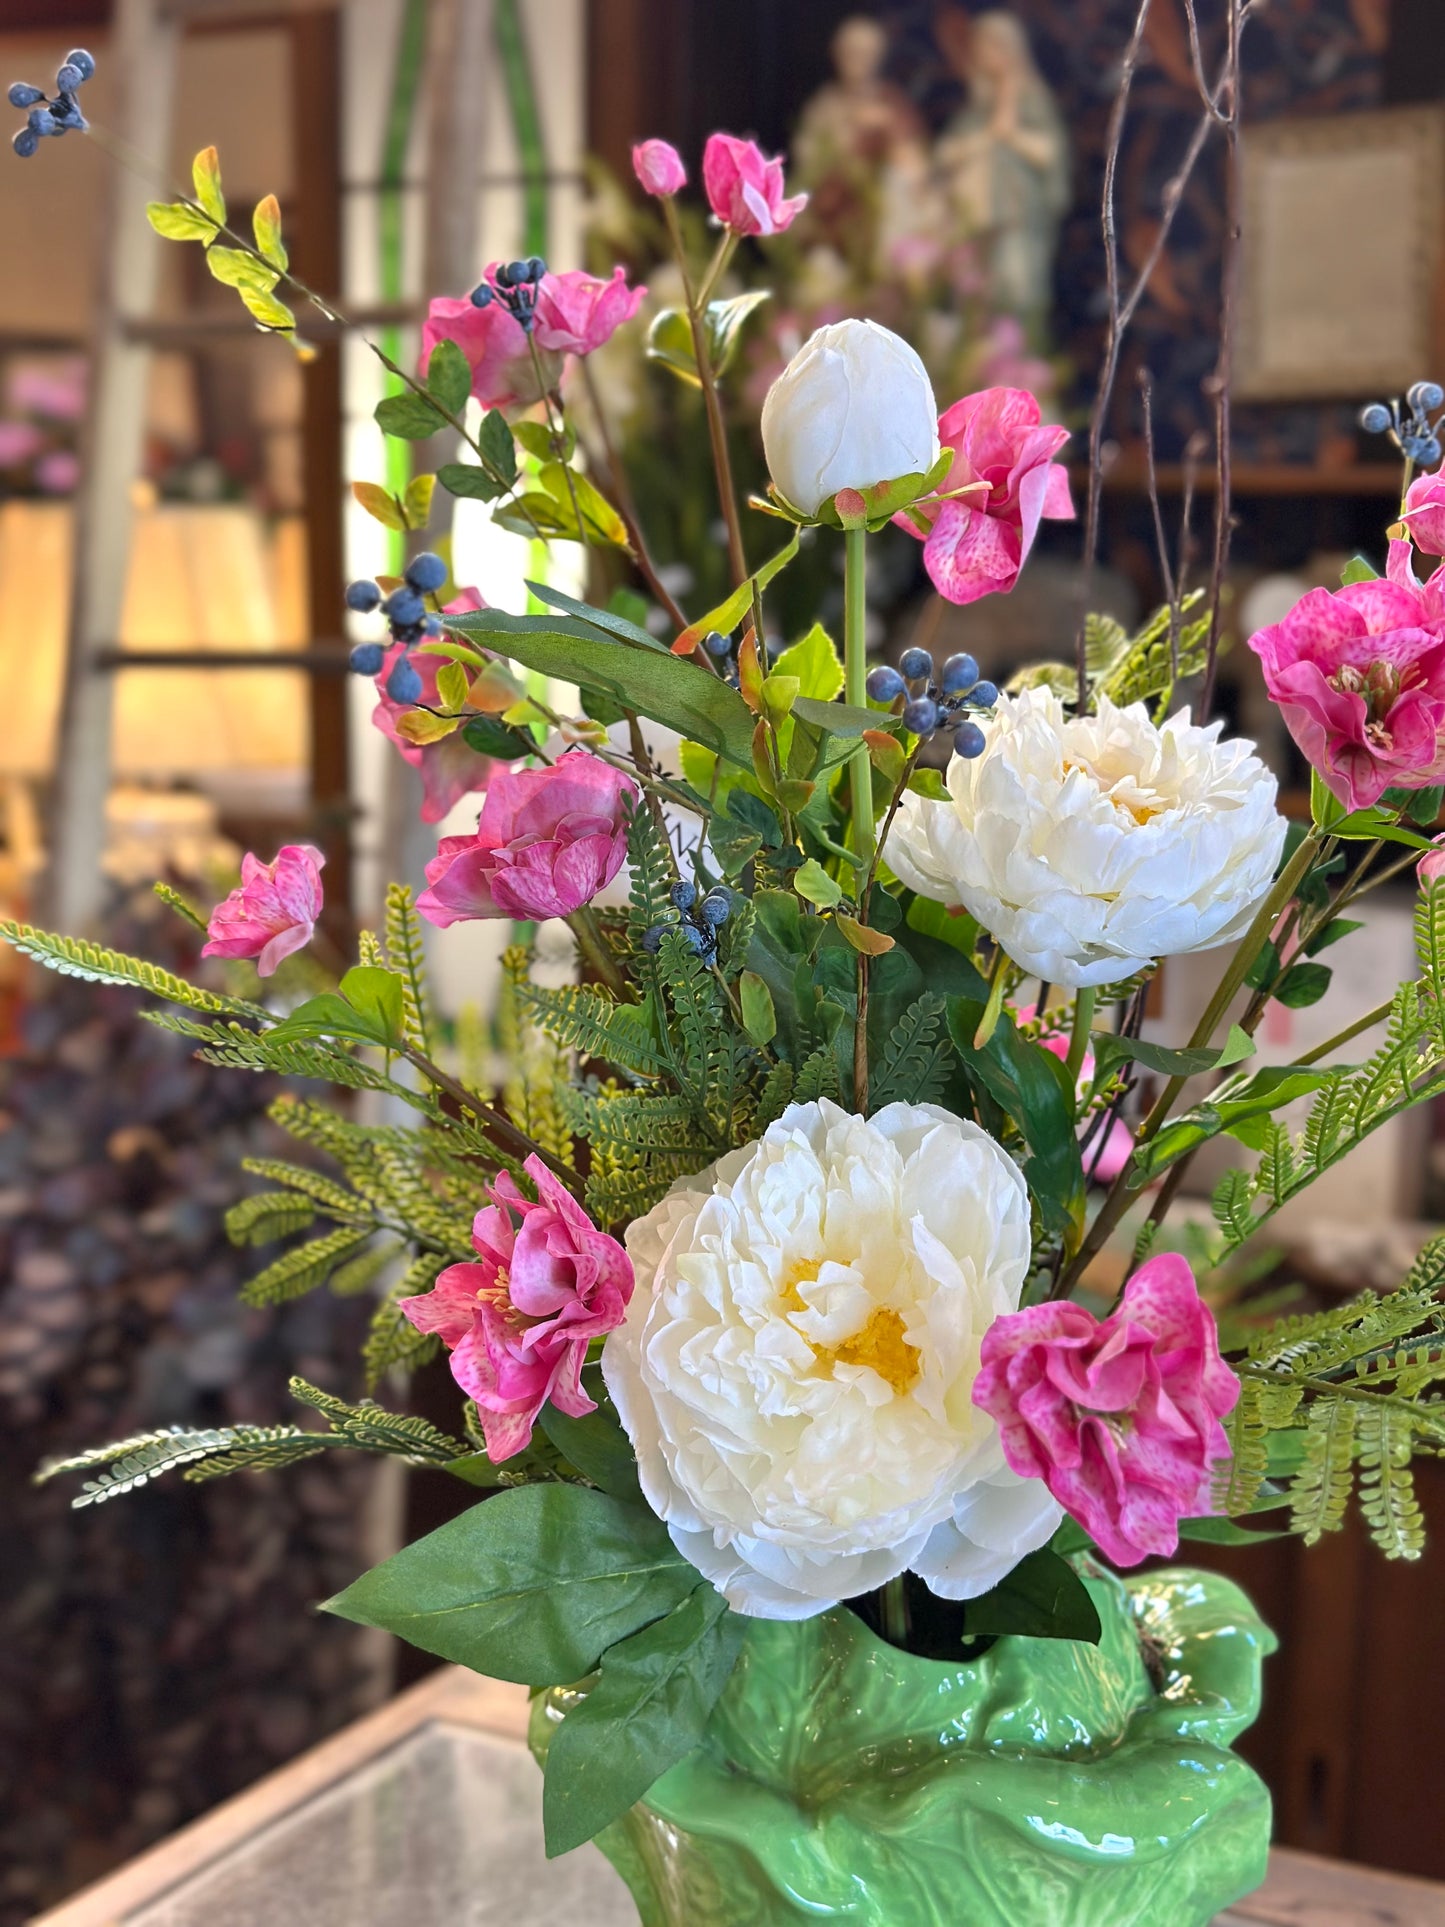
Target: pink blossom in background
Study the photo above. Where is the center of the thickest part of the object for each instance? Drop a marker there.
(274, 910)
(517, 1322)
(58, 473)
(18, 442)
(1119, 1417)
(1104, 1162)
(745, 189)
(978, 544)
(1007, 361)
(451, 768)
(55, 390)
(1424, 512)
(658, 167)
(577, 312)
(548, 840)
(495, 347)
(1359, 677)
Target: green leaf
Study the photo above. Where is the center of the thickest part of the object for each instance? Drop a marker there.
(266, 311)
(1336, 928)
(533, 1585)
(206, 175)
(760, 1020)
(812, 881)
(475, 1468)
(1109, 1050)
(492, 737)
(266, 226)
(418, 499)
(1303, 984)
(646, 1711)
(728, 614)
(1223, 1532)
(664, 688)
(378, 996)
(816, 663)
(601, 525)
(449, 377)
(234, 268)
(452, 686)
(1359, 568)
(596, 1446)
(409, 417)
(498, 449)
(1042, 1598)
(1265, 968)
(669, 340)
(1375, 825)
(608, 622)
(1028, 1084)
(467, 480)
(724, 321)
(178, 222)
(1237, 1107)
(379, 504)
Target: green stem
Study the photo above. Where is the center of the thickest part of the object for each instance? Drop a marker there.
(893, 1611)
(997, 979)
(496, 1125)
(584, 927)
(855, 691)
(1367, 1022)
(707, 381)
(1084, 1002)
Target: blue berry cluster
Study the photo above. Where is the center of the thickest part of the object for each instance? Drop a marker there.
(699, 923)
(408, 617)
(1413, 431)
(936, 702)
(515, 285)
(44, 118)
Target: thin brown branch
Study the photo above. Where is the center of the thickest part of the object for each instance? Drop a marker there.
(1166, 570)
(626, 506)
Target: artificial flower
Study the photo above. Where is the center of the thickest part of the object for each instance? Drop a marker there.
(504, 374)
(977, 545)
(854, 407)
(1119, 1417)
(658, 167)
(797, 1362)
(548, 840)
(273, 912)
(518, 1321)
(1089, 845)
(1424, 512)
(1359, 677)
(745, 189)
(577, 312)
(450, 768)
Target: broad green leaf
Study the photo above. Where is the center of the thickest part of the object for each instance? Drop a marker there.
(1359, 568)
(812, 881)
(265, 310)
(1332, 932)
(596, 1446)
(449, 377)
(178, 222)
(452, 685)
(409, 417)
(475, 1469)
(379, 504)
(418, 499)
(378, 995)
(533, 1585)
(266, 226)
(816, 663)
(724, 322)
(669, 340)
(1225, 1532)
(1042, 1598)
(206, 175)
(608, 622)
(237, 269)
(538, 439)
(646, 1711)
(1028, 1084)
(498, 449)
(729, 613)
(1302, 984)
(658, 685)
(760, 1020)
(840, 719)
(601, 525)
(468, 480)
(1237, 1107)
(747, 808)
(1110, 1049)
(1376, 826)
(491, 737)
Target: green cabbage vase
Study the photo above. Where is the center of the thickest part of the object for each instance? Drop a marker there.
(1046, 1783)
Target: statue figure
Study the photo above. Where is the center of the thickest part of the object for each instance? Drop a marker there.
(1004, 160)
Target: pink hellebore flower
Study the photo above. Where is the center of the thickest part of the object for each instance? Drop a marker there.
(1359, 677)
(978, 543)
(273, 912)
(1424, 512)
(450, 769)
(658, 167)
(745, 189)
(517, 1323)
(548, 840)
(577, 312)
(1120, 1419)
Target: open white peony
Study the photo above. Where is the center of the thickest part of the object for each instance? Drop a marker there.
(797, 1364)
(1089, 845)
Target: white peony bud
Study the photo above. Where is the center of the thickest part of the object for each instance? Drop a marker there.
(852, 408)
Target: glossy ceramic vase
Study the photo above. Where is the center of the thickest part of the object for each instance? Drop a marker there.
(1045, 1784)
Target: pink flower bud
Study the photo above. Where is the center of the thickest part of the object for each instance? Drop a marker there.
(658, 167)
(745, 189)
(274, 910)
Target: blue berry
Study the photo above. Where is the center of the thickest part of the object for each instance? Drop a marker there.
(503, 274)
(404, 607)
(1424, 395)
(960, 673)
(82, 62)
(915, 663)
(362, 597)
(969, 739)
(694, 938)
(68, 78)
(1375, 418)
(22, 94)
(25, 142)
(985, 694)
(683, 895)
(652, 939)
(482, 296)
(536, 267)
(1429, 451)
(367, 658)
(715, 643)
(884, 683)
(921, 715)
(716, 908)
(426, 572)
(432, 625)
(42, 122)
(403, 685)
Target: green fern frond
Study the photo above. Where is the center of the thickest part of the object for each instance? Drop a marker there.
(1244, 1472)
(818, 1077)
(775, 1097)
(302, 1268)
(369, 951)
(586, 1020)
(360, 1273)
(406, 954)
(134, 1462)
(652, 872)
(1231, 1205)
(78, 957)
(393, 1343)
(374, 1429)
(236, 1048)
(916, 1057)
(1430, 949)
(311, 1184)
(1387, 1486)
(1320, 1490)
(1142, 671)
(268, 1215)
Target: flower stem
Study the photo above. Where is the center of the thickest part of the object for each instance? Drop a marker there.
(855, 692)
(1079, 1036)
(893, 1612)
(988, 1023)
(707, 380)
(583, 925)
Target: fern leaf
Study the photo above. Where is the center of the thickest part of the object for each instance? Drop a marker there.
(586, 1020)
(372, 1428)
(302, 1268)
(1241, 1476)
(393, 1343)
(777, 1095)
(817, 1076)
(358, 1274)
(1320, 1490)
(268, 1215)
(406, 954)
(78, 957)
(652, 873)
(1232, 1204)
(1387, 1486)
(1430, 949)
(915, 1062)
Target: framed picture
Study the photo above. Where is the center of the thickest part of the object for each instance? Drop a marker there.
(1342, 248)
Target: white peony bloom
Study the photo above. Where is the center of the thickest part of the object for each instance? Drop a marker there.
(1089, 845)
(797, 1364)
(853, 407)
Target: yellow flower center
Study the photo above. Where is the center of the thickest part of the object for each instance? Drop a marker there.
(1124, 792)
(880, 1345)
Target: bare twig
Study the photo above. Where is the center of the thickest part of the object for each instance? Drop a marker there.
(622, 496)
(1166, 570)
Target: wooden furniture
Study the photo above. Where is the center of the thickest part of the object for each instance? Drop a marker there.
(429, 1811)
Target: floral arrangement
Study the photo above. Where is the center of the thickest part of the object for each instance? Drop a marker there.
(765, 1276)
